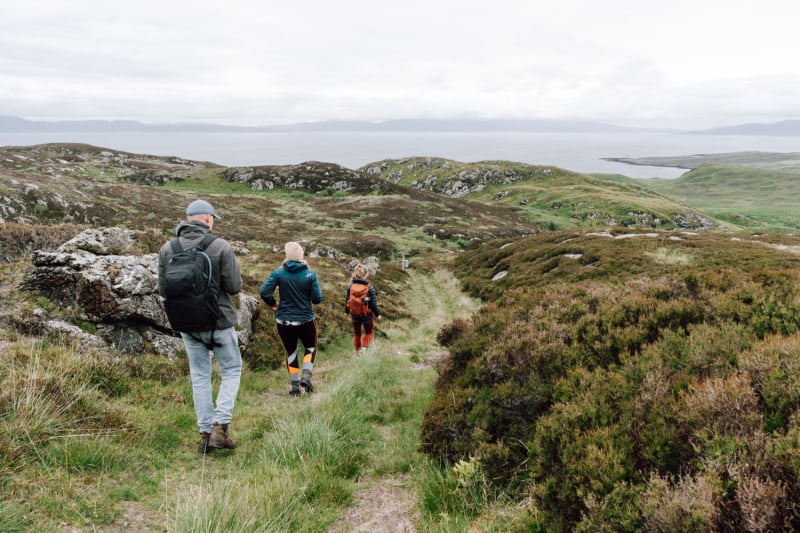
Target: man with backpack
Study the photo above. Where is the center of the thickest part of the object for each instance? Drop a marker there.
(197, 275)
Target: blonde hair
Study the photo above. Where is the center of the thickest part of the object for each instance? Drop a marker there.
(360, 271)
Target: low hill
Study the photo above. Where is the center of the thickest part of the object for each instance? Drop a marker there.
(550, 196)
(746, 195)
(766, 160)
(17, 124)
(340, 210)
(784, 127)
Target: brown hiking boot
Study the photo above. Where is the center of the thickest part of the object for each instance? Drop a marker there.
(203, 446)
(219, 437)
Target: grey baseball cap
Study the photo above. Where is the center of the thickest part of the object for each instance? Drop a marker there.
(201, 207)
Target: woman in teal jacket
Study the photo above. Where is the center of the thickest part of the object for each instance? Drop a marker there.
(298, 288)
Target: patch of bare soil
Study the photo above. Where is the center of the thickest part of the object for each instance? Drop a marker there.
(383, 505)
(430, 361)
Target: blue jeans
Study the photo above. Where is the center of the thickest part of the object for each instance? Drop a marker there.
(230, 365)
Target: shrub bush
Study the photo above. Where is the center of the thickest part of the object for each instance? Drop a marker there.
(588, 386)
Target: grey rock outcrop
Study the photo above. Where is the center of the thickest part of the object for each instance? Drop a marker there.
(371, 263)
(97, 276)
(311, 176)
(453, 179)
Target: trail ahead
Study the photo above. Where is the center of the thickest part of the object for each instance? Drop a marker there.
(267, 482)
(388, 503)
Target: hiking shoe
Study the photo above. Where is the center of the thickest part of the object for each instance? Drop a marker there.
(363, 350)
(295, 390)
(219, 437)
(203, 446)
(305, 381)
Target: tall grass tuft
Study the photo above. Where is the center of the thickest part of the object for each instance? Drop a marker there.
(219, 506)
(46, 396)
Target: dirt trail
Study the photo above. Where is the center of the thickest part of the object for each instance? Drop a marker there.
(389, 504)
(385, 505)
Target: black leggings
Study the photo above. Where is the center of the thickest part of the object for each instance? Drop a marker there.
(305, 333)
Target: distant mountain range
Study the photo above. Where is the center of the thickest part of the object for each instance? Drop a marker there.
(785, 127)
(11, 124)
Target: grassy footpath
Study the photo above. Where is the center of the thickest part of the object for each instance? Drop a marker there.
(298, 462)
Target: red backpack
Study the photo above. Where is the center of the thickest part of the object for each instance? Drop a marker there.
(358, 302)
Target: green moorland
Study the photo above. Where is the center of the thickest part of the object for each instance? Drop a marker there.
(748, 196)
(551, 197)
(768, 160)
(593, 379)
(746, 189)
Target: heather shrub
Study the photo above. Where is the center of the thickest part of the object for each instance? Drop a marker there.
(711, 348)
(683, 504)
(764, 504)
(18, 240)
(591, 386)
(722, 406)
(452, 332)
(618, 511)
(774, 368)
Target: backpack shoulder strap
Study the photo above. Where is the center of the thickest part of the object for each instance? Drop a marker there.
(176, 245)
(208, 239)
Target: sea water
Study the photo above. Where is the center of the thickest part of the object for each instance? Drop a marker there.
(579, 152)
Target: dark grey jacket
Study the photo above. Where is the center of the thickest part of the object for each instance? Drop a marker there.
(227, 276)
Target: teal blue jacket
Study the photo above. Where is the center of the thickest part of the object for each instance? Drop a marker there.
(298, 288)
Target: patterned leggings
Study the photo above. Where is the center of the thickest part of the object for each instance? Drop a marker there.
(305, 333)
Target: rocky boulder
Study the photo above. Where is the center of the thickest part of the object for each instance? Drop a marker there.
(98, 277)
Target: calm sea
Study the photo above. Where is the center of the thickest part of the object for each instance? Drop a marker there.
(580, 152)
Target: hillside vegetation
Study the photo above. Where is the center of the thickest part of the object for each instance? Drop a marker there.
(767, 160)
(745, 195)
(553, 198)
(628, 381)
(634, 370)
(338, 210)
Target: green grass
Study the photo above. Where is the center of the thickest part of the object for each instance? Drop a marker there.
(551, 197)
(766, 160)
(94, 457)
(743, 195)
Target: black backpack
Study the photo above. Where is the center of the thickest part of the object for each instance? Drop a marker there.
(190, 301)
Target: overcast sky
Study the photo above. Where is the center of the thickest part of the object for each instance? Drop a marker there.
(679, 63)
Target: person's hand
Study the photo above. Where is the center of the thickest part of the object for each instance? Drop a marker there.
(379, 318)
(275, 307)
